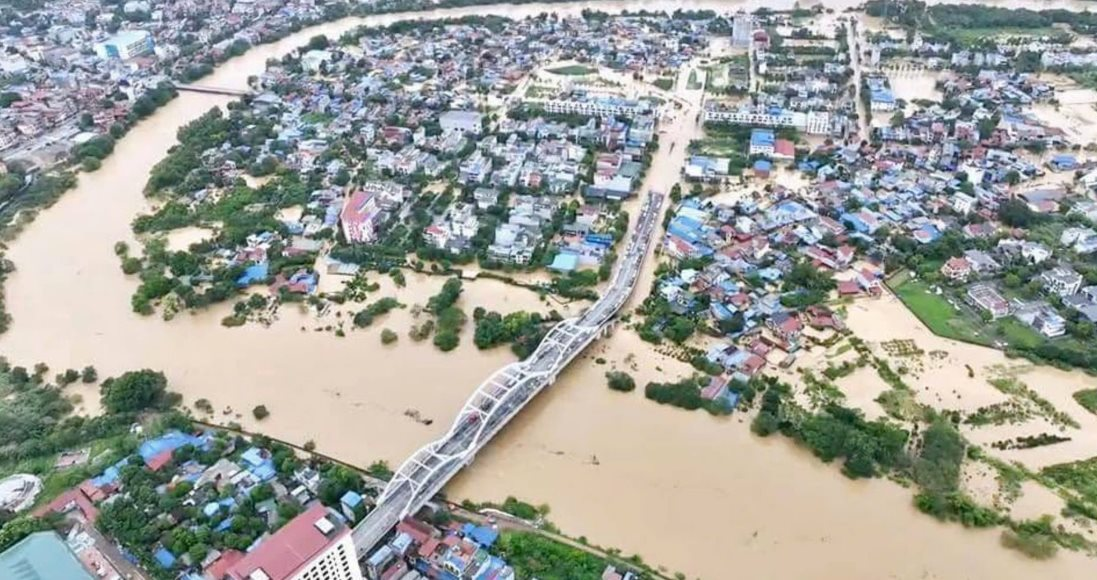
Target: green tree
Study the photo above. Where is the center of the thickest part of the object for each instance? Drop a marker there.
(136, 391)
(7, 98)
(18, 528)
(680, 329)
(620, 381)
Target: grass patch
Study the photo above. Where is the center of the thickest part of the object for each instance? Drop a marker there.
(665, 83)
(1019, 390)
(1085, 78)
(694, 83)
(573, 70)
(537, 92)
(1019, 335)
(970, 36)
(316, 118)
(901, 404)
(936, 313)
(1078, 476)
(1034, 545)
(718, 147)
(960, 322)
(1087, 398)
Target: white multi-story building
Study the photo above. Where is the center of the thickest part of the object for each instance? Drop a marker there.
(1062, 281)
(606, 107)
(366, 209)
(964, 203)
(462, 122)
(315, 545)
(811, 122)
(742, 26)
(126, 44)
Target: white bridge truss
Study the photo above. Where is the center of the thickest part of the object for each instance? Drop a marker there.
(503, 395)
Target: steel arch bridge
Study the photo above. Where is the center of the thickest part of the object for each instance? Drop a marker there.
(498, 398)
(503, 395)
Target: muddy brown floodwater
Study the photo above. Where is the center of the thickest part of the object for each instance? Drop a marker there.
(684, 490)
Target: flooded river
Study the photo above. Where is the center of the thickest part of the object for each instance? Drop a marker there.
(684, 490)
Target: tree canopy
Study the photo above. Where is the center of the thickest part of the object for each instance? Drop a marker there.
(136, 391)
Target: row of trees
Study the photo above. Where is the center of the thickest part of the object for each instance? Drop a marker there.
(523, 330)
(366, 316)
(867, 448)
(685, 394)
(449, 318)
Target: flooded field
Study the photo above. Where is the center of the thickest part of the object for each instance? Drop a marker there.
(685, 490)
(623, 470)
(1075, 114)
(944, 381)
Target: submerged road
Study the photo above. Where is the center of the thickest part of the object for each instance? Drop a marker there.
(504, 394)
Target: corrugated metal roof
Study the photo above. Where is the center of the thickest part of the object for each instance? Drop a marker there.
(41, 556)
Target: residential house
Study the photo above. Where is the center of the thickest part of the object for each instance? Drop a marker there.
(957, 269)
(987, 298)
(762, 142)
(1041, 317)
(1062, 280)
(981, 262)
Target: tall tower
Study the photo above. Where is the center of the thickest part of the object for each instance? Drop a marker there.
(741, 27)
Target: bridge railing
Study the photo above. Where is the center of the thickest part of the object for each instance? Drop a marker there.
(499, 398)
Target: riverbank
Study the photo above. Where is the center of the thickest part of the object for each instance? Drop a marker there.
(762, 505)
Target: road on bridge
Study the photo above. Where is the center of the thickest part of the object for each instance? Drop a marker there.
(506, 392)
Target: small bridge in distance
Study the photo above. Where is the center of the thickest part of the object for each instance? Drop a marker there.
(213, 90)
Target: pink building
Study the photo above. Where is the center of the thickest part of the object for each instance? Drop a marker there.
(367, 208)
(361, 216)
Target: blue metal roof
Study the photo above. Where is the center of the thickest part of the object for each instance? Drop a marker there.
(110, 474)
(565, 262)
(351, 498)
(164, 558)
(254, 273)
(762, 138)
(482, 535)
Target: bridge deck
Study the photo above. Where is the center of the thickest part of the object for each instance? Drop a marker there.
(503, 395)
(212, 90)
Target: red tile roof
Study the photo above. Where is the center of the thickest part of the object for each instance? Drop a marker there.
(283, 554)
(159, 460)
(219, 567)
(428, 548)
(74, 497)
(418, 531)
(847, 287)
(395, 571)
(784, 148)
(752, 364)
